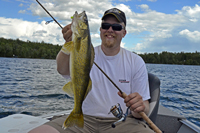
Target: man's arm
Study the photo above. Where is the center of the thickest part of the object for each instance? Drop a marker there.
(63, 63)
(63, 59)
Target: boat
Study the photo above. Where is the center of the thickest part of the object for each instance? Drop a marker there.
(165, 119)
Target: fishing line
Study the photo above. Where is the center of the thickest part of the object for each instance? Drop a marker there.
(49, 14)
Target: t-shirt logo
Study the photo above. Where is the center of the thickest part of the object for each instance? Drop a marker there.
(123, 81)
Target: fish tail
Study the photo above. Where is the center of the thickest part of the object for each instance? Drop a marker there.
(74, 119)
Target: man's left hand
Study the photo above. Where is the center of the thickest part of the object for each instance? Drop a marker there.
(136, 104)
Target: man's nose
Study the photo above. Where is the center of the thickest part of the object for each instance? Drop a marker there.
(110, 28)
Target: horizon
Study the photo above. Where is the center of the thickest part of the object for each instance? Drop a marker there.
(131, 51)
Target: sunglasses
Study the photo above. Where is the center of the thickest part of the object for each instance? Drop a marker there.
(115, 27)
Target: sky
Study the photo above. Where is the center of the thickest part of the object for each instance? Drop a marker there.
(152, 25)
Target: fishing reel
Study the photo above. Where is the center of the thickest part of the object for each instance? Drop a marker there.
(116, 110)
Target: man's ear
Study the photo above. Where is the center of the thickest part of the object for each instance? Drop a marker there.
(124, 33)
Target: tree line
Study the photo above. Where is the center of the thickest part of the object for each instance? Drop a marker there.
(28, 49)
(172, 58)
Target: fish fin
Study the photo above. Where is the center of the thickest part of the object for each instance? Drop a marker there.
(74, 120)
(89, 87)
(67, 47)
(68, 89)
(92, 56)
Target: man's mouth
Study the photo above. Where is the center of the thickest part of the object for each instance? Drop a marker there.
(109, 36)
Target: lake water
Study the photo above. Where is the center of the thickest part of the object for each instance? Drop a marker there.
(33, 86)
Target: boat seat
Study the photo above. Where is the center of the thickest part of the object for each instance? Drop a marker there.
(154, 86)
(20, 123)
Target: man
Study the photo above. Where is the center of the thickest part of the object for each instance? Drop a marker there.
(124, 67)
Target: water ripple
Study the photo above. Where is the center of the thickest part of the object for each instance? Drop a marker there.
(179, 88)
(33, 86)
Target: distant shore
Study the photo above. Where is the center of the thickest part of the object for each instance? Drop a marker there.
(41, 50)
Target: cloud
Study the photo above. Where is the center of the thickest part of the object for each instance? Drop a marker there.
(166, 32)
(39, 33)
(23, 1)
(22, 11)
(192, 36)
(122, 44)
(21, 5)
(124, 0)
(191, 12)
(62, 10)
(32, 31)
(152, 0)
(144, 7)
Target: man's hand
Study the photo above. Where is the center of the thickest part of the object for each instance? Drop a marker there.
(67, 33)
(136, 104)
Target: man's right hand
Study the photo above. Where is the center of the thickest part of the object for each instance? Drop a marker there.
(67, 33)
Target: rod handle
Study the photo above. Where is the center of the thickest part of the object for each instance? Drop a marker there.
(146, 118)
(150, 123)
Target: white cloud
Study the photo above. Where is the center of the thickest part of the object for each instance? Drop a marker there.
(144, 7)
(124, 0)
(23, 1)
(21, 5)
(191, 12)
(152, 0)
(122, 44)
(22, 11)
(139, 47)
(32, 31)
(192, 36)
(95, 39)
(97, 36)
(154, 22)
(166, 31)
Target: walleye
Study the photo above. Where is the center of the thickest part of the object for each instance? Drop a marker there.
(81, 60)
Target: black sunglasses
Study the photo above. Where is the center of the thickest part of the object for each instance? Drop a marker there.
(116, 27)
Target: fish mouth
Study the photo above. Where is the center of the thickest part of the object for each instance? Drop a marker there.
(82, 16)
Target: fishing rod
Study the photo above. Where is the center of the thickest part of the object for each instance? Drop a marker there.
(124, 95)
(94, 62)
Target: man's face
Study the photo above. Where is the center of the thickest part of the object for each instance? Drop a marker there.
(111, 38)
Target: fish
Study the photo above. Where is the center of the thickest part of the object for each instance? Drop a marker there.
(81, 60)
